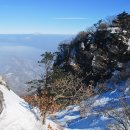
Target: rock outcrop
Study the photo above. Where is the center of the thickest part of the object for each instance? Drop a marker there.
(95, 54)
(1, 101)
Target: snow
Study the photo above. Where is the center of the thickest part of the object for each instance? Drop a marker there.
(95, 118)
(82, 46)
(17, 114)
(124, 31)
(101, 101)
(114, 29)
(128, 45)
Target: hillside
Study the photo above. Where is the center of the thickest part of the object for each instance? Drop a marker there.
(107, 110)
(98, 59)
(92, 114)
(15, 113)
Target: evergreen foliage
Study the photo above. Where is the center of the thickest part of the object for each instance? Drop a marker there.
(96, 53)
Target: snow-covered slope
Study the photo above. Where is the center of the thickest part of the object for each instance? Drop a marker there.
(16, 113)
(96, 112)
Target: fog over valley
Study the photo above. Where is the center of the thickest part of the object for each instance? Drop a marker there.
(20, 54)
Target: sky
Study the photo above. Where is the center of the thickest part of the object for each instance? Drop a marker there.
(55, 16)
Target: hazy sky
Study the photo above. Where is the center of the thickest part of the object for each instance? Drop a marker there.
(55, 16)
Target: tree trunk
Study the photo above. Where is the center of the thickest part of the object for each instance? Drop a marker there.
(44, 117)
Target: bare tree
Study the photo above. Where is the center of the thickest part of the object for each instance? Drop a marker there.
(68, 89)
(121, 115)
(121, 119)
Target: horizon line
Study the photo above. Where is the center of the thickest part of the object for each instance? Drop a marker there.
(38, 33)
